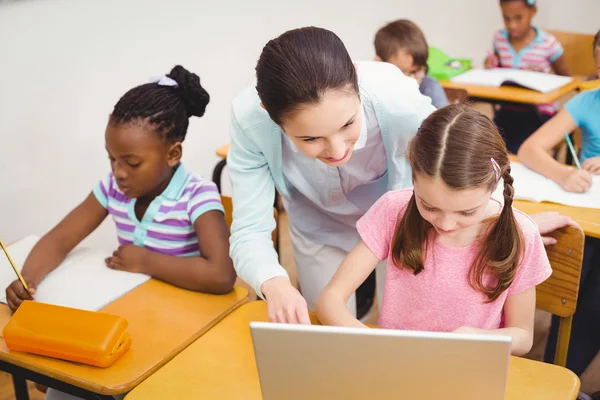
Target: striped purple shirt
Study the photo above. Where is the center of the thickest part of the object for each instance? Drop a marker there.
(540, 54)
(167, 227)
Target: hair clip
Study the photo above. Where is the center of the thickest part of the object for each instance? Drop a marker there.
(163, 80)
(530, 3)
(497, 169)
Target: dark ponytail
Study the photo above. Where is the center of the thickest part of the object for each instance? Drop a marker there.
(166, 108)
(299, 67)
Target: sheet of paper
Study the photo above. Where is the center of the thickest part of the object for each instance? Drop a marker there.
(82, 281)
(530, 185)
(537, 81)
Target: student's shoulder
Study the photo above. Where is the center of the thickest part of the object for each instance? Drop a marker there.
(589, 96)
(528, 227)
(108, 184)
(501, 35)
(197, 185)
(384, 83)
(586, 101)
(247, 111)
(397, 200)
(545, 36)
(377, 75)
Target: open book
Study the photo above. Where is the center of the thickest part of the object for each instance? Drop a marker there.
(82, 281)
(530, 185)
(497, 77)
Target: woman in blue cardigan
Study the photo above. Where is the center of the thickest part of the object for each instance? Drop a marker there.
(330, 136)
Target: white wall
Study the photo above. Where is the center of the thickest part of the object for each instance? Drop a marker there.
(64, 63)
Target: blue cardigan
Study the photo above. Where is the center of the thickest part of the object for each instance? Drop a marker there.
(256, 169)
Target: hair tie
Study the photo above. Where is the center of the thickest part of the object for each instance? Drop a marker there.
(497, 169)
(530, 3)
(163, 80)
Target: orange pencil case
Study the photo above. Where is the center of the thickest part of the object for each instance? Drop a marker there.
(69, 334)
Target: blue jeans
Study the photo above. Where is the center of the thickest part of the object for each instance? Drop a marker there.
(585, 334)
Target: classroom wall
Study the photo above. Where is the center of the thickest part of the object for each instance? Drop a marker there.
(64, 63)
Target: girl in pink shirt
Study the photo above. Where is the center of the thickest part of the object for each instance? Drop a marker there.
(458, 260)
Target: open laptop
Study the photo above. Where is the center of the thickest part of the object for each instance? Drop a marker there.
(300, 362)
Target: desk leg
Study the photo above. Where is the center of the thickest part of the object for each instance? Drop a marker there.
(20, 385)
(20, 375)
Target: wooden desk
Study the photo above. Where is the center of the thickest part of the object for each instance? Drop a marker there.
(163, 320)
(222, 151)
(512, 94)
(587, 218)
(221, 365)
(590, 85)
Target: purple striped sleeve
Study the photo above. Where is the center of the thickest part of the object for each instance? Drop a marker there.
(202, 203)
(171, 236)
(176, 252)
(117, 213)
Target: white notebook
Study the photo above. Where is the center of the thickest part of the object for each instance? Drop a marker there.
(497, 77)
(82, 281)
(530, 185)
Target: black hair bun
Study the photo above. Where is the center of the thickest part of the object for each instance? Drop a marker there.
(194, 97)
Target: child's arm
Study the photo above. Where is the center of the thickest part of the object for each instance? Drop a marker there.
(354, 270)
(560, 66)
(211, 272)
(491, 60)
(52, 249)
(519, 314)
(535, 154)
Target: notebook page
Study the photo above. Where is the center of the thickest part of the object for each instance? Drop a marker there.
(538, 81)
(590, 199)
(82, 281)
(481, 77)
(530, 185)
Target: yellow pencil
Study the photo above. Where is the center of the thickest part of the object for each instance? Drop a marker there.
(12, 264)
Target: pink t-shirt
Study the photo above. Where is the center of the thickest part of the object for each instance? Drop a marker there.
(440, 297)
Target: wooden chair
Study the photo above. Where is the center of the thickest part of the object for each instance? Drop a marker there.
(578, 52)
(456, 96)
(558, 294)
(228, 206)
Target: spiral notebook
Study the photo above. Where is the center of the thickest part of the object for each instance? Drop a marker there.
(81, 281)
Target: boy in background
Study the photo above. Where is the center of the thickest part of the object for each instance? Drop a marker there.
(403, 44)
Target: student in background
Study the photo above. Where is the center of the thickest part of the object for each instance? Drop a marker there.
(403, 44)
(523, 46)
(169, 221)
(448, 239)
(581, 111)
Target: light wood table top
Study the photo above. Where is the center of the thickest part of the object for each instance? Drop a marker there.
(513, 94)
(163, 320)
(590, 85)
(587, 218)
(221, 365)
(222, 151)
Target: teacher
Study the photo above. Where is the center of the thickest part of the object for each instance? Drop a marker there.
(330, 136)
